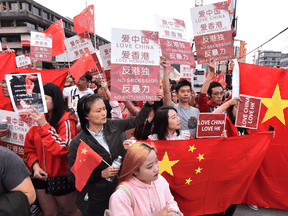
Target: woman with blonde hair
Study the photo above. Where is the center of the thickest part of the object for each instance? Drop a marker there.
(142, 191)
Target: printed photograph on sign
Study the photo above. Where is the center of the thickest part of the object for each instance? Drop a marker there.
(26, 90)
(210, 125)
(212, 32)
(41, 46)
(135, 65)
(248, 112)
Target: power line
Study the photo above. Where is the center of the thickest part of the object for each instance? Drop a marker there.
(267, 41)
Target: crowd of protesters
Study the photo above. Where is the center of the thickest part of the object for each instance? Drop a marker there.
(85, 112)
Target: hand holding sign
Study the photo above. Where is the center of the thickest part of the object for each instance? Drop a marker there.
(38, 117)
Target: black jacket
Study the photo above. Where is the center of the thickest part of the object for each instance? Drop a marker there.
(100, 189)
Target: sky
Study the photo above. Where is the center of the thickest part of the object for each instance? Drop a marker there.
(258, 20)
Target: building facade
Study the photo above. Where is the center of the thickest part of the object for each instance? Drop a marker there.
(19, 18)
(267, 58)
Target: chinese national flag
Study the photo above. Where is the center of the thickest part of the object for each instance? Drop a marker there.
(58, 35)
(86, 161)
(84, 22)
(207, 175)
(269, 187)
(220, 78)
(83, 64)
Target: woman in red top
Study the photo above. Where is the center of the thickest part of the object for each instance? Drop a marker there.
(46, 151)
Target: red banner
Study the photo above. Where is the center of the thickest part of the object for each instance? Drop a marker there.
(206, 176)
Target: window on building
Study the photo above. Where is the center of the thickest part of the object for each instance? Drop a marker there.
(10, 39)
(21, 23)
(64, 24)
(14, 6)
(72, 28)
(45, 15)
(55, 19)
(30, 25)
(36, 11)
(25, 6)
(7, 23)
(40, 29)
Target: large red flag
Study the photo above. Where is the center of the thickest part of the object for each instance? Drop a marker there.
(84, 22)
(83, 64)
(269, 187)
(86, 161)
(58, 35)
(207, 175)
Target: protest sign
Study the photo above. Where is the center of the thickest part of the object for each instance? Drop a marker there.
(172, 35)
(105, 53)
(41, 46)
(18, 125)
(248, 112)
(22, 61)
(26, 90)
(198, 80)
(76, 47)
(186, 72)
(135, 65)
(210, 124)
(212, 32)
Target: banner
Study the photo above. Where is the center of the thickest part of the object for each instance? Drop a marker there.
(207, 175)
(41, 46)
(210, 125)
(26, 90)
(248, 112)
(76, 47)
(174, 46)
(22, 61)
(135, 65)
(212, 32)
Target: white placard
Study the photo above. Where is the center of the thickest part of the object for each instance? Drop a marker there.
(76, 47)
(105, 53)
(22, 61)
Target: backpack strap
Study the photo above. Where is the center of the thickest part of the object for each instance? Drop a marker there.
(128, 193)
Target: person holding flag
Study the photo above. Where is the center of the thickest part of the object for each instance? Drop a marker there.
(103, 136)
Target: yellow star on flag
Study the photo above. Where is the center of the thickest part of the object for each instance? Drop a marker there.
(275, 106)
(198, 170)
(166, 165)
(84, 151)
(188, 181)
(91, 11)
(86, 54)
(192, 148)
(201, 157)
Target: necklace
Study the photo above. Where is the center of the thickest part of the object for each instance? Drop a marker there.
(150, 199)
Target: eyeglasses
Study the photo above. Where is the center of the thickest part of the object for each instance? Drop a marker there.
(218, 93)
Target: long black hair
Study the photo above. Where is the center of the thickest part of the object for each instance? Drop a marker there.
(161, 122)
(84, 107)
(54, 91)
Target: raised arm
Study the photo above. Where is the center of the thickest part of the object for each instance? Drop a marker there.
(227, 104)
(167, 101)
(207, 81)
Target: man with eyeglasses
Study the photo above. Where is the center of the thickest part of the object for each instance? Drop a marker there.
(215, 91)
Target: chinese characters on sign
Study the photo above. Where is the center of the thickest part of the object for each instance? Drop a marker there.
(105, 52)
(22, 61)
(174, 47)
(41, 46)
(212, 32)
(135, 65)
(248, 112)
(186, 72)
(76, 47)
